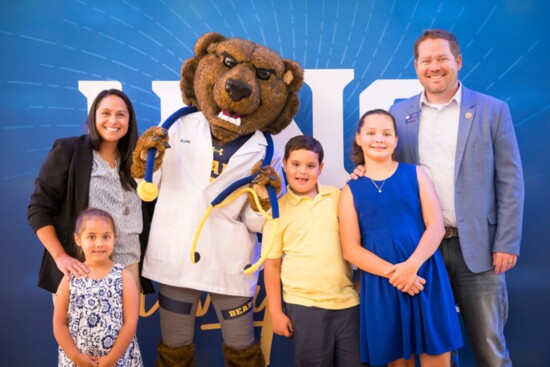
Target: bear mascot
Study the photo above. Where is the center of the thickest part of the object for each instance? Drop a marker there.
(242, 92)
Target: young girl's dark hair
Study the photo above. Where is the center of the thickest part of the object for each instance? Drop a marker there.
(304, 142)
(356, 151)
(81, 223)
(125, 145)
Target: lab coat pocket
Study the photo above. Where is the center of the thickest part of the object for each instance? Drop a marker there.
(231, 247)
(169, 235)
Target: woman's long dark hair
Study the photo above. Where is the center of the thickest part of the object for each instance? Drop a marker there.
(125, 145)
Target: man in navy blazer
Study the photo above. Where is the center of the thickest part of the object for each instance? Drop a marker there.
(466, 142)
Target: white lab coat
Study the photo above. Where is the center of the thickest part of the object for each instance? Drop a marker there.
(228, 240)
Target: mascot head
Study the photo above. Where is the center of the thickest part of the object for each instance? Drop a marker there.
(240, 86)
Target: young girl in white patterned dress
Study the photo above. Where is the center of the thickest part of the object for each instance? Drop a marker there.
(95, 317)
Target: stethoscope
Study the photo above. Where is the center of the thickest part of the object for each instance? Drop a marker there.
(148, 191)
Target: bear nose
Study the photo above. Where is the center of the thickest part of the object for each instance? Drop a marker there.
(237, 90)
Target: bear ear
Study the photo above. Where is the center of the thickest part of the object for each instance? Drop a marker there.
(206, 41)
(186, 81)
(294, 79)
(203, 44)
(293, 76)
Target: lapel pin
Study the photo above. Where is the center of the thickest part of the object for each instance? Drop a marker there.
(468, 115)
(412, 117)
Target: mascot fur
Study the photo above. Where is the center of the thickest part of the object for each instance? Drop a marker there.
(241, 90)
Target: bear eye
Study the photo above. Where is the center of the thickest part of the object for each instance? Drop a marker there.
(263, 74)
(230, 62)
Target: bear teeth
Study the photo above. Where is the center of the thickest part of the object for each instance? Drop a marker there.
(232, 120)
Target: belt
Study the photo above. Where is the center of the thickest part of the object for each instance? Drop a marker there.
(450, 232)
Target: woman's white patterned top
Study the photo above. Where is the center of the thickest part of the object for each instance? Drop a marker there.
(107, 193)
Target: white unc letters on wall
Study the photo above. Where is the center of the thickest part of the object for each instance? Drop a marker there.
(327, 86)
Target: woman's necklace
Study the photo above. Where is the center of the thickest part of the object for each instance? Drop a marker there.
(379, 188)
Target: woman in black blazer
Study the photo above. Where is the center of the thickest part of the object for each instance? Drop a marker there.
(92, 169)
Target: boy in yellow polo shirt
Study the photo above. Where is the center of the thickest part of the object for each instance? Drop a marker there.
(321, 313)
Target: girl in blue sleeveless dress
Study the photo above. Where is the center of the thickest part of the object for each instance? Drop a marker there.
(391, 226)
(95, 317)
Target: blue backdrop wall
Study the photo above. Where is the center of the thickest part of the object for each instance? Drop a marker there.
(357, 55)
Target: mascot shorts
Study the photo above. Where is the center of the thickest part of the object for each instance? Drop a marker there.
(178, 308)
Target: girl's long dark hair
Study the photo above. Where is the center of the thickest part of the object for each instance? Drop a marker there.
(125, 145)
(356, 151)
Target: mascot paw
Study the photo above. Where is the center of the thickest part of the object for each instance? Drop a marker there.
(266, 175)
(154, 137)
(147, 191)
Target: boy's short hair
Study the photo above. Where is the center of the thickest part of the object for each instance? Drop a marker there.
(304, 142)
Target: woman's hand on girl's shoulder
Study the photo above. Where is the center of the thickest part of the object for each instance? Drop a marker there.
(69, 265)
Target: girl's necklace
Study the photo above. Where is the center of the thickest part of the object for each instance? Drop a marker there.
(379, 188)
